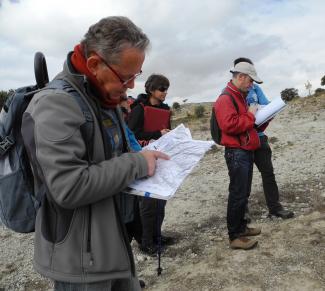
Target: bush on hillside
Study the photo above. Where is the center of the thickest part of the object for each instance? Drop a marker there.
(322, 81)
(289, 94)
(199, 111)
(319, 91)
(176, 106)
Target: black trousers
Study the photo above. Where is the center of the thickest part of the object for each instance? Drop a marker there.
(240, 171)
(134, 227)
(263, 161)
(152, 213)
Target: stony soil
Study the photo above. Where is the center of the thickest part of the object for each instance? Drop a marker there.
(290, 254)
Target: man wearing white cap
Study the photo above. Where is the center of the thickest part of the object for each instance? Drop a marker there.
(263, 157)
(236, 121)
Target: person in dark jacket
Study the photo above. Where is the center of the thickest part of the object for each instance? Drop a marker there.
(80, 239)
(263, 156)
(156, 88)
(240, 138)
(149, 120)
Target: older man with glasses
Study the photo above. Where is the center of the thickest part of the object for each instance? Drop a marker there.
(80, 239)
(236, 121)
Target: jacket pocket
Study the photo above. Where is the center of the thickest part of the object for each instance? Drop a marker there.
(67, 254)
(56, 221)
(253, 141)
(108, 248)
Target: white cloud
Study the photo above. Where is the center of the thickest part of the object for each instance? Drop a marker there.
(193, 42)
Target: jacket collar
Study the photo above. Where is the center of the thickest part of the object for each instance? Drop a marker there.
(72, 75)
(79, 80)
(233, 88)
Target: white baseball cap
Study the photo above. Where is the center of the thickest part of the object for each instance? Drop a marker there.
(248, 69)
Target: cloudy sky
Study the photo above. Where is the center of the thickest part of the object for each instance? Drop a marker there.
(193, 42)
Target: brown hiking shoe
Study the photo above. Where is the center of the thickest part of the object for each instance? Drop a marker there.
(243, 243)
(250, 231)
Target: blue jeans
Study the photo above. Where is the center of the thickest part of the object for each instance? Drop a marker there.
(240, 171)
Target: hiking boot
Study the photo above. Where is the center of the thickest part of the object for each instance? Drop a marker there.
(150, 250)
(142, 284)
(243, 243)
(284, 214)
(251, 231)
(165, 240)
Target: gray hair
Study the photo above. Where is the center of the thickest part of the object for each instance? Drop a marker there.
(111, 35)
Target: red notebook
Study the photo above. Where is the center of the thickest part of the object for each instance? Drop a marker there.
(156, 119)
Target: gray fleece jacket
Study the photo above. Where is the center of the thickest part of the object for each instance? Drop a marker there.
(79, 235)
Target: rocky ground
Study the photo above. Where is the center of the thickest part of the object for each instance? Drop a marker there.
(290, 254)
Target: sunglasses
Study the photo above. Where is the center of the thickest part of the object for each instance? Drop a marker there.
(162, 89)
(123, 82)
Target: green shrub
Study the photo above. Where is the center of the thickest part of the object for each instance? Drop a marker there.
(176, 106)
(289, 94)
(322, 81)
(319, 91)
(199, 111)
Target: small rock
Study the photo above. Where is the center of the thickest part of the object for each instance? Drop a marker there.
(188, 252)
(141, 258)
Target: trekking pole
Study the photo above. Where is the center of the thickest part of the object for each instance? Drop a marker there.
(159, 269)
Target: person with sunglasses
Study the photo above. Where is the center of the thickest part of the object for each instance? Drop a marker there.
(149, 120)
(239, 137)
(80, 239)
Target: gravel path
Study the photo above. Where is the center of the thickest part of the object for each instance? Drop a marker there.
(291, 253)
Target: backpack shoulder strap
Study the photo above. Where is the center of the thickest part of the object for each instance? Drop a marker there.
(87, 129)
(224, 92)
(235, 104)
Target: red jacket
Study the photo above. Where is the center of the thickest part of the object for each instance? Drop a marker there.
(237, 127)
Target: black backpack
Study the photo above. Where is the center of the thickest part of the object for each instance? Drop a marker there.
(18, 202)
(215, 130)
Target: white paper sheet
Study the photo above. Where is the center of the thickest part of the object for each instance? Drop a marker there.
(267, 112)
(184, 154)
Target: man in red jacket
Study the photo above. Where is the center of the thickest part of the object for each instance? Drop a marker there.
(238, 135)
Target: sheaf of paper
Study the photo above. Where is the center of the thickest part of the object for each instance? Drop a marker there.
(269, 111)
(184, 153)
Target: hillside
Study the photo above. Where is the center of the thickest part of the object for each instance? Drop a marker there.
(290, 254)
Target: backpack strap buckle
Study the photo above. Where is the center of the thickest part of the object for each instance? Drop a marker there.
(5, 144)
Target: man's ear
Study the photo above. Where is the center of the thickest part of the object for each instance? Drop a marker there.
(93, 64)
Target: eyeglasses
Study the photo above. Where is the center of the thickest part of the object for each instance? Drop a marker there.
(123, 82)
(162, 89)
